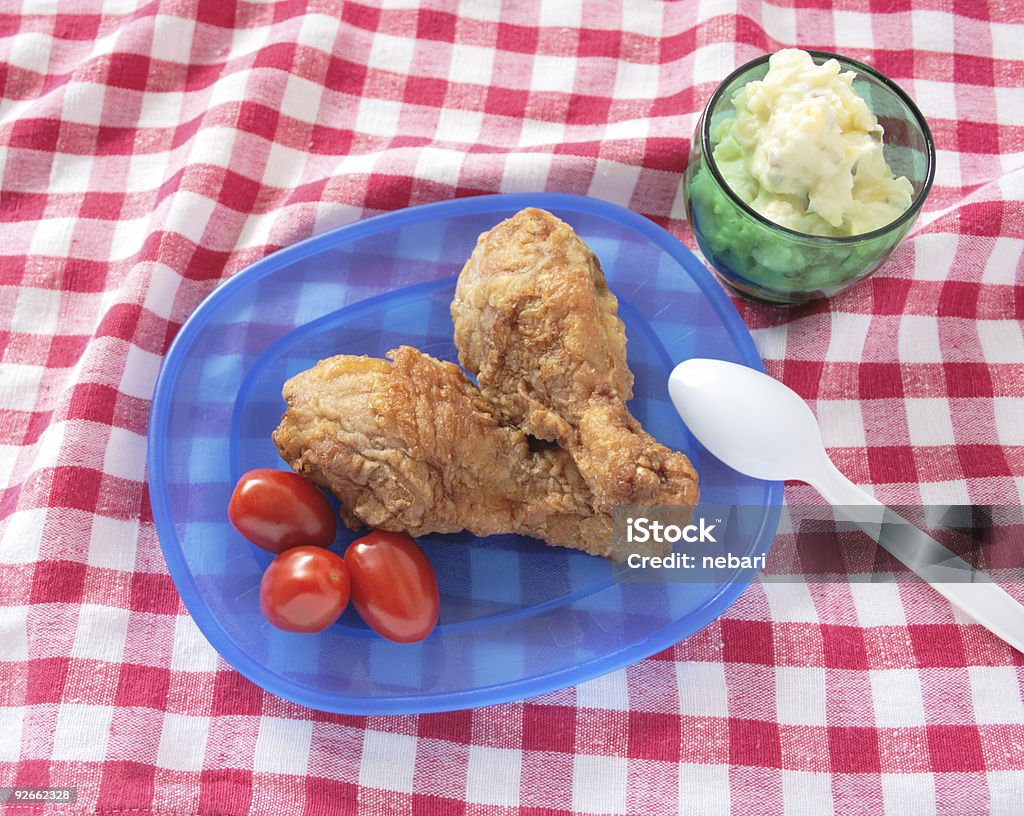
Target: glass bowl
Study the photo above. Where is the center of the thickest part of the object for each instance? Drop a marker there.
(762, 260)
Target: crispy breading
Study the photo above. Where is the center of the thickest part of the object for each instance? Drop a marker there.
(410, 445)
(537, 325)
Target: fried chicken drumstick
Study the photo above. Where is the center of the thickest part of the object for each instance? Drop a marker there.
(410, 445)
(537, 325)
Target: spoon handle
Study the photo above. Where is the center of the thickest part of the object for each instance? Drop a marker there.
(965, 587)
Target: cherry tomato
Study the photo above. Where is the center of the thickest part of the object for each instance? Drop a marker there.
(277, 510)
(394, 588)
(305, 589)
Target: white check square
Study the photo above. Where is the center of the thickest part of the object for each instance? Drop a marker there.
(779, 22)
(460, 126)
(918, 339)
(800, 695)
(702, 691)
(71, 173)
(713, 61)
(284, 166)
(553, 74)
(929, 421)
(1006, 257)
(896, 695)
(1009, 104)
(909, 794)
(1009, 413)
(847, 336)
(852, 29)
(940, 495)
(378, 117)
(14, 625)
(160, 110)
(19, 386)
(1005, 40)
(52, 237)
(771, 341)
(1005, 792)
(145, 172)
(471, 63)
(22, 536)
(172, 38)
(183, 742)
(640, 18)
(126, 455)
(440, 165)
(101, 633)
(139, 374)
(112, 543)
(82, 731)
(540, 133)
(493, 776)
(996, 695)
(162, 290)
(614, 182)
(37, 312)
(525, 171)
(933, 30)
(390, 53)
(628, 129)
(805, 793)
(319, 31)
(607, 692)
(487, 10)
(192, 215)
(30, 50)
(229, 88)
(1002, 341)
(704, 789)
(599, 784)
(282, 745)
(877, 604)
(932, 258)
(842, 423)
(11, 719)
(83, 102)
(790, 601)
(938, 98)
(192, 651)
(636, 80)
(301, 99)
(559, 14)
(388, 761)
(948, 173)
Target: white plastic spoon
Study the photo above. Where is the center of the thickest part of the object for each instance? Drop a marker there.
(759, 427)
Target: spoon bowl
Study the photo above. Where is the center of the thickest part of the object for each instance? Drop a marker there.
(751, 422)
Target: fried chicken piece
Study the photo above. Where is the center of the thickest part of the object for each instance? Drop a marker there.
(537, 325)
(411, 446)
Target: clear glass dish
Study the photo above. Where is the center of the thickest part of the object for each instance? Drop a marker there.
(765, 261)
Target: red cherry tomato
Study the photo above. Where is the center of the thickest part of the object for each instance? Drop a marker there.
(305, 589)
(277, 510)
(394, 588)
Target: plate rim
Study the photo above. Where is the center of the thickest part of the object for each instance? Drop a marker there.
(428, 702)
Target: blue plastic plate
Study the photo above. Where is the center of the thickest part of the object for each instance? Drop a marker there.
(517, 618)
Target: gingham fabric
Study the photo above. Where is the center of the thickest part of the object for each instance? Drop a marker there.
(154, 149)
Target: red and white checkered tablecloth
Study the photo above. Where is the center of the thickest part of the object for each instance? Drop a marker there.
(153, 149)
